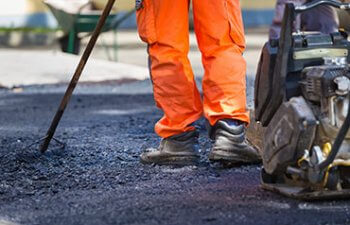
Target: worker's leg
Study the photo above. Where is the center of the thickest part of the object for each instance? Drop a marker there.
(275, 28)
(220, 35)
(321, 18)
(163, 24)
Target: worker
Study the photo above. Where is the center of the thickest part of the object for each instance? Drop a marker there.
(322, 18)
(164, 26)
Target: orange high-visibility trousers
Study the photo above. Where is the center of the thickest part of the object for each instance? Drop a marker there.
(163, 24)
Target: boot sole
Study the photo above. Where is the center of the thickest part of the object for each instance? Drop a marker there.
(174, 160)
(231, 160)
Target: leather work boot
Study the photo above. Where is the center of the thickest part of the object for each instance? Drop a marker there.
(230, 146)
(181, 150)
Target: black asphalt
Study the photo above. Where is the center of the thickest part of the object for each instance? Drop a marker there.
(97, 178)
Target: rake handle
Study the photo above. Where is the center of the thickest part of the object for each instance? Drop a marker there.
(74, 81)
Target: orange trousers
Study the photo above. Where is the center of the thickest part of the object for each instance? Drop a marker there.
(164, 26)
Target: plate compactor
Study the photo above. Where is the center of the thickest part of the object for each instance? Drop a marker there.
(302, 97)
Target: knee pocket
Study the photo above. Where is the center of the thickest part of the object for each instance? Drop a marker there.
(234, 17)
(146, 21)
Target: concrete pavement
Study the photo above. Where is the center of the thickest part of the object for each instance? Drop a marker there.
(20, 67)
(49, 66)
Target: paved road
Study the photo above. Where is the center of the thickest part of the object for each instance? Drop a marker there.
(97, 178)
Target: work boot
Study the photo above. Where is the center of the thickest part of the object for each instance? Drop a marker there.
(230, 146)
(181, 150)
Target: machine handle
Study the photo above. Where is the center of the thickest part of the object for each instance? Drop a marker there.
(313, 4)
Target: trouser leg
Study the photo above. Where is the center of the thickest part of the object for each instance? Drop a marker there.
(275, 28)
(220, 35)
(322, 18)
(163, 24)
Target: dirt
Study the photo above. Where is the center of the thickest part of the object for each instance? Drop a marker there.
(97, 178)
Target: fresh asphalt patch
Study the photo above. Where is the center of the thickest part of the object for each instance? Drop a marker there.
(97, 178)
